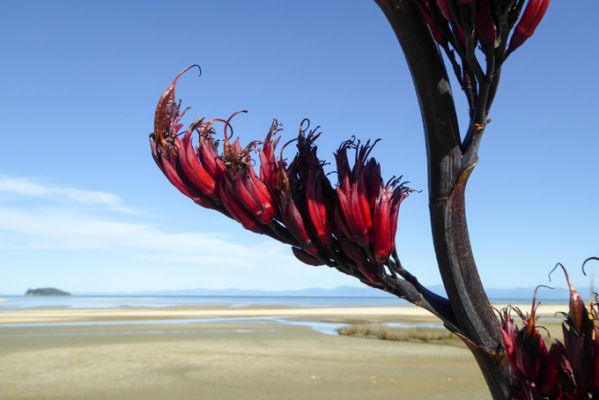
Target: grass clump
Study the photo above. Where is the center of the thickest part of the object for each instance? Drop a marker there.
(419, 335)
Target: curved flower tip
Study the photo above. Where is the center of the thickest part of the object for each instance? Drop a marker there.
(167, 115)
(578, 311)
(586, 261)
(531, 324)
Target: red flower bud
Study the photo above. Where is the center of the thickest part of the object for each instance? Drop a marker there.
(235, 210)
(343, 169)
(295, 223)
(508, 332)
(243, 195)
(361, 214)
(578, 313)
(317, 209)
(551, 378)
(305, 257)
(253, 195)
(352, 250)
(170, 170)
(306, 156)
(530, 354)
(445, 10)
(371, 276)
(484, 22)
(242, 182)
(436, 31)
(262, 194)
(356, 190)
(351, 210)
(361, 201)
(207, 154)
(534, 12)
(340, 226)
(268, 162)
(192, 168)
(386, 211)
(371, 179)
(382, 238)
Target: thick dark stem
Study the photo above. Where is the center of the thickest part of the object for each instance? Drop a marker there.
(448, 175)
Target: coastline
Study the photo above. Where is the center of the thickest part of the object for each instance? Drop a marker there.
(57, 315)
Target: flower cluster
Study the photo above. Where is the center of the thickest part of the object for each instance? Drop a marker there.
(477, 37)
(568, 369)
(350, 226)
(467, 23)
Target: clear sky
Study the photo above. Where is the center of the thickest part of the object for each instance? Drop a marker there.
(84, 208)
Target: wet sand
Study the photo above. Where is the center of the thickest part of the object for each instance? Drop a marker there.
(239, 359)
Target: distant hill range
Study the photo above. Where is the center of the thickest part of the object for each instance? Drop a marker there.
(48, 291)
(524, 293)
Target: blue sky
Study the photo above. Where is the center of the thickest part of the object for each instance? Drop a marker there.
(83, 207)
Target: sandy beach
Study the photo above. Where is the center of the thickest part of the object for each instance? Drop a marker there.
(244, 356)
(115, 314)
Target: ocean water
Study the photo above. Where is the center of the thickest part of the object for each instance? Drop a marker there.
(26, 302)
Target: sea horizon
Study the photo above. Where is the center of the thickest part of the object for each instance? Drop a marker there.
(12, 302)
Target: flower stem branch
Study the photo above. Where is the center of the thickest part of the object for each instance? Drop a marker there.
(448, 172)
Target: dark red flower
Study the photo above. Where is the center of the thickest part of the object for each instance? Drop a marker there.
(386, 211)
(228, 196)
(355, 193)
(306, 257)
(570, 370)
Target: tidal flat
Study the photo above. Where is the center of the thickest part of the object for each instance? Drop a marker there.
(141, 354)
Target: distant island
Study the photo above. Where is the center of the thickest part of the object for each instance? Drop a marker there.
(49, 291)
